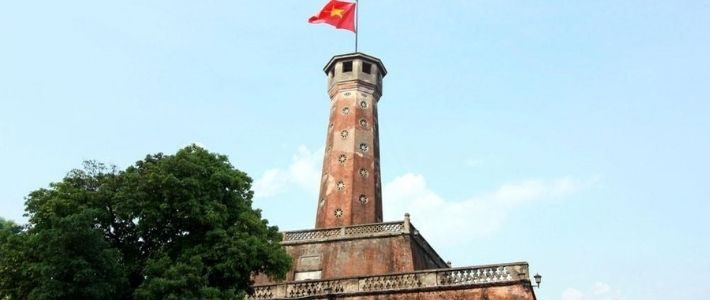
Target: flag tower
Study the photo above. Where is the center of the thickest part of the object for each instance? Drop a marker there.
(350, 188)
(351, 254)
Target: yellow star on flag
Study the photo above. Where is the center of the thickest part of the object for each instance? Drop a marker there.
(338, 13)
(334, 12)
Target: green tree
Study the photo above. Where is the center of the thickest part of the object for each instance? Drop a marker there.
(7, 225)
(170, 227)
(11, 250)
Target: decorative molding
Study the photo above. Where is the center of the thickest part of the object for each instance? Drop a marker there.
(312, 288)
(349, 232)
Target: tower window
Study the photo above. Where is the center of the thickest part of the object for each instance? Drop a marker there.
(347, 66)
(366, 67)
(363, 123)
(363, 199)
(364, 172)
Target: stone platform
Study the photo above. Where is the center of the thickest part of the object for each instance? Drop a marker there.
(358, 250)
(339, 263)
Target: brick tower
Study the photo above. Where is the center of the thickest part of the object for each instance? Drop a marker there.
(352, 254)
(350, 192)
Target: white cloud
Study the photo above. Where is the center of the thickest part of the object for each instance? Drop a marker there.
(601, 288)
(303, 173)
(270, 183)
(572, 294)
(599, 291)
(481, 215)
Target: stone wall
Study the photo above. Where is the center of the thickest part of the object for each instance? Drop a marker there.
(501, 292)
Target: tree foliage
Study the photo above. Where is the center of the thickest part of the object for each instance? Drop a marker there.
(8, 226)
(169, 227)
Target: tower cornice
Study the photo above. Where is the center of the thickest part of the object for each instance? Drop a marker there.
(355, 84)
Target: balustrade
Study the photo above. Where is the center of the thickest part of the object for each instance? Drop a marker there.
(344, 232)
(469, 276)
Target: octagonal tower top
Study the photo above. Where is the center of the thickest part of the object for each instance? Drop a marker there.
(355, 66)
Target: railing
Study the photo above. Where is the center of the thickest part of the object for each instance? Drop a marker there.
(390, 282)
(312, 288)
(355, 231)
(467, 276)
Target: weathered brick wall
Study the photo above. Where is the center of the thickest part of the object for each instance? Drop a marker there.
(424, 256)
(360, 257)
(508, 292)
(355, 257)
(515, 290)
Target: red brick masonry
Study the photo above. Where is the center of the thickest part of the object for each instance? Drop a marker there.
(347, 259)
(353, 255)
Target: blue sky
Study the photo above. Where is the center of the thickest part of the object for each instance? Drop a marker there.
(573, 135)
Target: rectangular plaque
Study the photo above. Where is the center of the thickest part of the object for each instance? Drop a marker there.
(308, 275)
(308, 263)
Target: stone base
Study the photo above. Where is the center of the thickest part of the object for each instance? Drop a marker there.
(358, 250)
(384, 261)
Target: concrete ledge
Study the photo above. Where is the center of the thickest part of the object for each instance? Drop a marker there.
(343, 233)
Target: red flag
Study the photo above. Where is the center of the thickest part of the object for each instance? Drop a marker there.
(340, 14)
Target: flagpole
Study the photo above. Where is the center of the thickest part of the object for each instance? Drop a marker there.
(357, 24)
